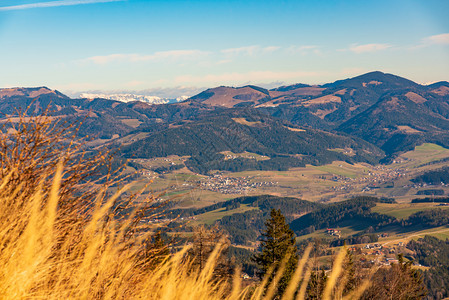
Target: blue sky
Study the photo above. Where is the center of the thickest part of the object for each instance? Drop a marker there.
(182, 46)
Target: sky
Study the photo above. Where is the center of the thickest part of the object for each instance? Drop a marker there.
(173, 48)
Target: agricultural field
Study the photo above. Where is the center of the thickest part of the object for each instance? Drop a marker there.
(131, 122)
(210, 217)
(404, 210)
(158, 162)
(425, 156)
(344, 169)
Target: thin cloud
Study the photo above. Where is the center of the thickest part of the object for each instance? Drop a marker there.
(249, 50)
(271, 49)
(157, 56)
(369, 48)
(442, 39)
(438, 39)
(228, 55)
(54, 4)
(304, 49)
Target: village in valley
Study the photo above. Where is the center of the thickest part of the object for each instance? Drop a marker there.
(232, 185)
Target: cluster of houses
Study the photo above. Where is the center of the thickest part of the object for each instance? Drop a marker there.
(378, 254)
(232, 185)
(333, 232)
(373, 180)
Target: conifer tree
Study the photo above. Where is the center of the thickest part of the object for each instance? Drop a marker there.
(277, 240)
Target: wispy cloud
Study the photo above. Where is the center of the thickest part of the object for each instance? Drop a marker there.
(54, 4)
(157, 56)
(369, 48)
(438, 39)
(304, 49)
(270, 49)
(249, 50)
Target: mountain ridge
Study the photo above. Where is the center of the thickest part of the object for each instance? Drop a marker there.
(391, 112)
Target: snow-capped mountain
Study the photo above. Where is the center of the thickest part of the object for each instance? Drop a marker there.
(134, 97)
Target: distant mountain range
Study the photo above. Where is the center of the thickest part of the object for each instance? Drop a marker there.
(134, 97)
(366, 118)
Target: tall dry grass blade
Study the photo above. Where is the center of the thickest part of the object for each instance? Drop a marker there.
(162, 282)
(336, 271)
(339, 289)
(297, 276)
(52, 203)
(27, 266)
(279, 273)
(236, 285)
(208, 269)
(261, 288)
(102, 210)
(16, 192)
(32, 232)
(357, 293)
(6, 179)
(302, 291)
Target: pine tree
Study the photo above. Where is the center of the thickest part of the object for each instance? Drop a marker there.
(277, 240)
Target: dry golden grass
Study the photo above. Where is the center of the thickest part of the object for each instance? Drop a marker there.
(56, 243)
(97, 261)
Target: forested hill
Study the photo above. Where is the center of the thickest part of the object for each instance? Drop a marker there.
(284, 145)
(244, 217)
(245, 227)
(433, 177)
(400, 121)
(353, 211)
